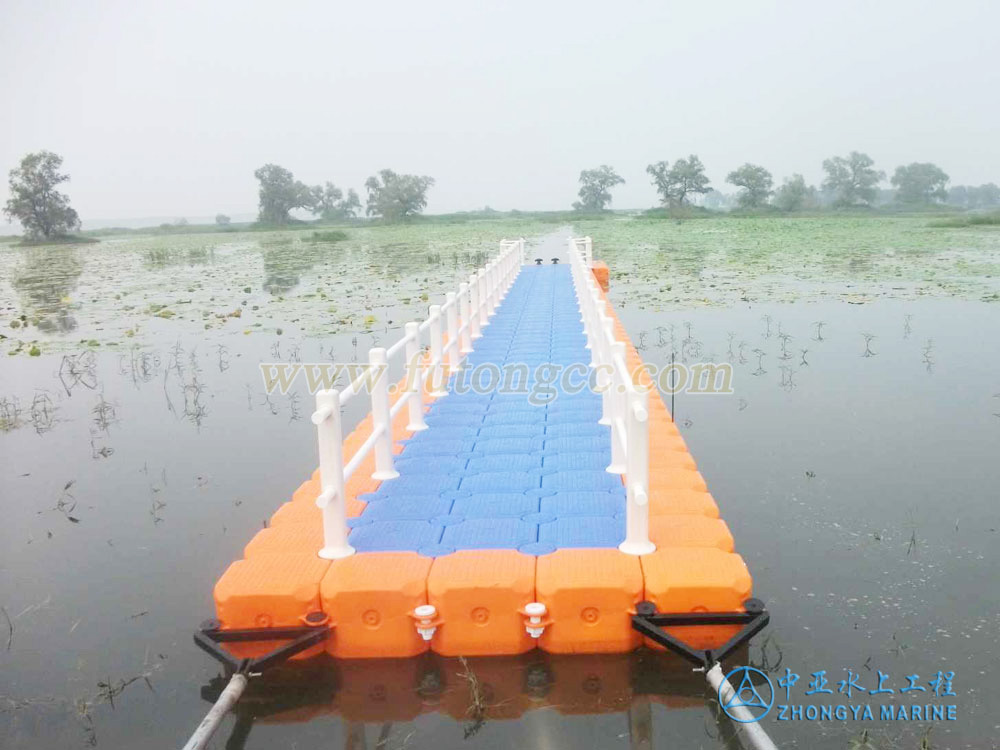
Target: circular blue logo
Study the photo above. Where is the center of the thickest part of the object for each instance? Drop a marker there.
(754, 698)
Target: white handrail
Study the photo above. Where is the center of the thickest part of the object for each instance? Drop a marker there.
(437, 354)
(474, 315)
(416, 393)
(465, 314)
(453, 353)
(465, 332)
(624, 405)
(331, 475)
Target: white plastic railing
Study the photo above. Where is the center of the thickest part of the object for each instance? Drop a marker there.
(625, 406)
(464, 315)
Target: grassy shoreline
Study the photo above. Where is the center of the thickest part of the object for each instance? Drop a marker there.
(939, 216)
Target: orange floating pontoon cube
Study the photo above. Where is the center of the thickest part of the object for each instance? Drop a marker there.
(269, 590)
(589, 594)
(690, 531)
(670, 478)
(370, 598)
(601, 273)
(697, 579)
(297, 513)
(307, 492)
(663, 502)
(305, 537)
(479, 595)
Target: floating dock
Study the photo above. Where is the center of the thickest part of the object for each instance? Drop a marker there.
(474, 523)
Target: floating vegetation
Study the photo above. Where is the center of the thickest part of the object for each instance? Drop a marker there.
(200, 282)
(330, 235)
(969, 220)
(722, 260)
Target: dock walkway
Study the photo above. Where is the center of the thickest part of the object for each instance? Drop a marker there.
(503, 518)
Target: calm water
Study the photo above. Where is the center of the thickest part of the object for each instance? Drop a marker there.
(859, 480)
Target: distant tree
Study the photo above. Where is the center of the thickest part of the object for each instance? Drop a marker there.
(279, 193)
(920, 183)
(674, 183)
(986, 196)
(595, 188)
(35, 203)
(794, 194)
(756, 183)
(351, 204)
(331, 205)
(717, 201)
(958, 195)
(181, 222)
(972, 197)
(853, 179)
(394, 196)
(222, 220)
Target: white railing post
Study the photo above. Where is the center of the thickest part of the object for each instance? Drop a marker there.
(453, 357)
(588, 245)
(466, 331)
(381, 418)
(331, 476)
(587, 310)
(637, 540)
(474, 307)
(523, 251)
(491, 289)
(577, 261)
(605, 334)
(439, 381)
(502, 270)
(484, 315)
(414, 379)
(618, 402)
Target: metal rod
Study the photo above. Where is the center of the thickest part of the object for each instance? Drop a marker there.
(750, 732)
(230, 695)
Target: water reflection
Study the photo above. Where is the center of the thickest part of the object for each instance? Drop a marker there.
(158, 258)
(285, 262)
(44, 280)
(370, 696)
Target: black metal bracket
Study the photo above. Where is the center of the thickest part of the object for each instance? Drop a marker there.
(555, 261)
(651, 624)
(210, 636)
(538, 261)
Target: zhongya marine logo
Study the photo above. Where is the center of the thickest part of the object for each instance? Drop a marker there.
(747, 695)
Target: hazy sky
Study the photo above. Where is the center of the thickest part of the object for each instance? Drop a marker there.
(164, 109)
